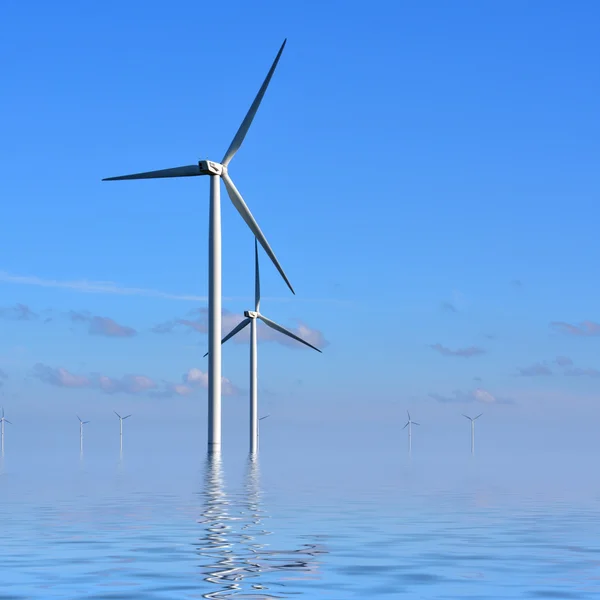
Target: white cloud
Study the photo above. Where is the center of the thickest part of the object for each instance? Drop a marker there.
(198, 378)
(477, 395)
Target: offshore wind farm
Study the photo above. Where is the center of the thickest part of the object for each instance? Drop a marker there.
(417, 186)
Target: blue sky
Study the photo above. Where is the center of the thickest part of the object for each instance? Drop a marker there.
(425, 172)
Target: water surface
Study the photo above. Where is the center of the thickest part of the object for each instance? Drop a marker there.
(336, 525)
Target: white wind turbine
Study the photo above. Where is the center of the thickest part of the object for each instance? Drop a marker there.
(215, 171)
(81, 424)
(121, 419)
(409, 424)
(2, 421)
(251, 319)
(472, 430)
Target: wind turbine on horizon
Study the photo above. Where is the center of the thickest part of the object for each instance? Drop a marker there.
(251, 319)
(121, 419)
(409, 424)
(2, 421)
(81, 424)
(472, 430)
(215, 171)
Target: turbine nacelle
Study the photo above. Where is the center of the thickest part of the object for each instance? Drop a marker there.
(251, 314)
(208, 167)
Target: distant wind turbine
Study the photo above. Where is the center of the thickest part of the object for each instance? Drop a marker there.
(81, 424)
(2, 421)
(472, 430)
(217, 171)
(409, 424)
(121, 419)
(251, 319)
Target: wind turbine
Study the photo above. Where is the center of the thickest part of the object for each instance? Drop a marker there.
(121, 419)
(409, 424)
(215, 171)
(81, 424)
(251, 319)
(472, 430)
(2, 421)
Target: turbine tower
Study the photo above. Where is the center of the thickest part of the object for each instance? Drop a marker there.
(121, 419)
(409, 424)
(218, 171)
(472, 430)
(81, 424)
(2, 421)
(251, 319)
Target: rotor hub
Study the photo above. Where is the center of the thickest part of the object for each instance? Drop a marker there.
(208, 167)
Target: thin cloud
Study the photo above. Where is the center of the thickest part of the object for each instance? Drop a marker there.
(563, 361)
(95, 287)
(59, 377)
(578, 372)
(108, 327)
(128, 384)
(479, 395)
(135, 385)
(18, 312)
(166, 327)
(198, 378)
(463, 352)
(535, 370)
(585, 328)
(110, 287)
(448, 307)
(101, 325)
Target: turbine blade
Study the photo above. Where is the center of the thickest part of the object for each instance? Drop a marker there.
(405, 426)
(243, 130)
(3, 412)
(85, 422)
(244, 211)
(116, 413)
(78, 418)
(408, 415)
(127, 417)
(465, 416)
(235, 330)
(281, 329)
(256, 277)
(261, 418)
(415, 423)
(477, 417)
(188, 171)
(7, 421)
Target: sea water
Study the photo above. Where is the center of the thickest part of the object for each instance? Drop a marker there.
(167, 521)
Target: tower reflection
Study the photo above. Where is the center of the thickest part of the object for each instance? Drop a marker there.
(237, 560)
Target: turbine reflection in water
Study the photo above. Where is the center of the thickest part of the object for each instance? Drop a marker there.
(240, 564)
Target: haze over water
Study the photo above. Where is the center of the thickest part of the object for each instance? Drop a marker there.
(321, 521)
